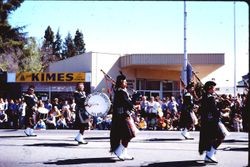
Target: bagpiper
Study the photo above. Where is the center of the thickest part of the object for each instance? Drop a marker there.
(123, 127)
(211, 135)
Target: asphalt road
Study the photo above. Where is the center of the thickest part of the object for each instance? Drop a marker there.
(150, 149)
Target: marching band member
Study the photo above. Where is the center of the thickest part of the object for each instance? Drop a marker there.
(211, 135)
(186, 121)
(82, 117)
(31, 101)
(122, 128)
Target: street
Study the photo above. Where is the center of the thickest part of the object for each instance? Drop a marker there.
(150, 148)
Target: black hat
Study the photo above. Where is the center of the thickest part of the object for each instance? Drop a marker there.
(120, 78)
(209, 84)
(190, 85)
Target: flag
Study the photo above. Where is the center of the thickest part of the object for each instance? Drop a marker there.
(182, 84)
(189, 73)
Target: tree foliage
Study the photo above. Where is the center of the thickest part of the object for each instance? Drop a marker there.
(58, 46)
(48, 49)
(69, 47)
(12, 39)
(49, 38)
(20, 53)
(30, 60)
(79, 42)
(8, 6)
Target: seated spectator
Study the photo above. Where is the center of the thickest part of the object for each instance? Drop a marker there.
(3, 120)
(169, 122)
(56, 112)
(106, 123)
(40, 125)
(161, 123)
(142, 124)
(61, 123)
(99, 123)
(152, 112)
(51, 120)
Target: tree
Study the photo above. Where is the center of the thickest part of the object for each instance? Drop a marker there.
(47, 49)
(49, 38)
(12, 40)
(69, 47)
(79, 42)
(31, 59)
(57, 47)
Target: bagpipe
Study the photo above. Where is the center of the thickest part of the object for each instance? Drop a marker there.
(199, 90)
(134, 95)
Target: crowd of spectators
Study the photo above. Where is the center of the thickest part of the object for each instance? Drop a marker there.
(151, 113)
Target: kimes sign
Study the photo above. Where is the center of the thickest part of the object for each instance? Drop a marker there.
(48, 77)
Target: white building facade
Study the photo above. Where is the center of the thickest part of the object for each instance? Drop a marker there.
(150, 74)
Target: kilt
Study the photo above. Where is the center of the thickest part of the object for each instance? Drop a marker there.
(209, 132)
(29, 120)
(82, 118)
(122, 128)
(186, 120)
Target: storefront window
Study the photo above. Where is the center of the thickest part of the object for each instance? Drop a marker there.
(158, 88)
(148, 85)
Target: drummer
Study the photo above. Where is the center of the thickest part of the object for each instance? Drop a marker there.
(82, 117)
(31, 101)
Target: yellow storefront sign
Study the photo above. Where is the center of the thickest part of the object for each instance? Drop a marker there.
(50, 77)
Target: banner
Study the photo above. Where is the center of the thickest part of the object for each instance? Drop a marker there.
(47, 77)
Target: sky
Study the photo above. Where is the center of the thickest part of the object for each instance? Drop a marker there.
(127, 27)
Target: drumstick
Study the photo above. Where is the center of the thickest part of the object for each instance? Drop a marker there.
(94, 104)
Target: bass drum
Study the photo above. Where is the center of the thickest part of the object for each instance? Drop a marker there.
(97, 104)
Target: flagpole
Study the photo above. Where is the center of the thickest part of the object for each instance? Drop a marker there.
(185, 58)
(234, 52)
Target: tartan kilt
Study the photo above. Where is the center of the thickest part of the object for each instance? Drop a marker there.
(82, 118)
(186, 120)
(122, 128)
(209, 132)
(29, 120)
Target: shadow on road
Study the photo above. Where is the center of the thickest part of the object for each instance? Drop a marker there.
(10, 130)
(164, 139)
(235, 149)
(96, 138)
(177, 163)
(52, 144)
(83, 161)
(12, 136)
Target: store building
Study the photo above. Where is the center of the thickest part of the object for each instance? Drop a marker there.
(150, 74)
